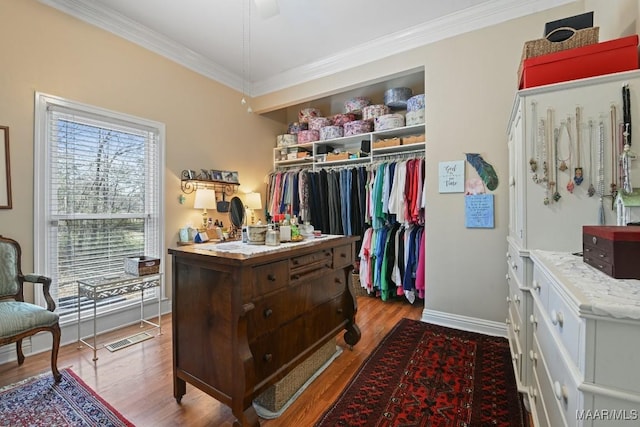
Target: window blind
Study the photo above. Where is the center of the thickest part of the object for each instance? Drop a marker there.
(102, 198)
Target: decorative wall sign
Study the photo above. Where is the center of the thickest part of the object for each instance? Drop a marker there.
(451, 177)
(479, 211)
(5, 169)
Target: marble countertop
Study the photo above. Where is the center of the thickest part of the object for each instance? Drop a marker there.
(592, 289)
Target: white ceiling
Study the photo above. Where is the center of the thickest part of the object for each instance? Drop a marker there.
(303, 41)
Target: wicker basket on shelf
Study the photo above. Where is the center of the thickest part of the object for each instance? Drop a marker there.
(544, 46)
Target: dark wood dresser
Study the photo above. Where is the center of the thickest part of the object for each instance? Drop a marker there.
(242, 321)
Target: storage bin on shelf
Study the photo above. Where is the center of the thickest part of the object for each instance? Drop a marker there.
(141, 265)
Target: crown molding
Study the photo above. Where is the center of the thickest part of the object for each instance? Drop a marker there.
(481, 16)
(105, 18)
(474, 18)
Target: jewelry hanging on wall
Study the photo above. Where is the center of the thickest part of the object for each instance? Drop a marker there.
(548, 154)
(541, 154)
(556, 193)
(578, 175)
(533, 162)
(601, 171)
(592, 190)
(563, 162)
(627, 154)
(626, 165)
(570, 185)
(614, 155)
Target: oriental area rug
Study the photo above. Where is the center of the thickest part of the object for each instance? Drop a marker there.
(39, 401)
(427, 375)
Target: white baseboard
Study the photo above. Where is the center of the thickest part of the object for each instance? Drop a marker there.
(471, 324)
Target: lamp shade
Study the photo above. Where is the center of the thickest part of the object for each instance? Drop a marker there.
(205, 199)
(253, 201)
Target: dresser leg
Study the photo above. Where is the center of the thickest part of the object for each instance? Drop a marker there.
(352, 335)
(179, 388)
(249, 418)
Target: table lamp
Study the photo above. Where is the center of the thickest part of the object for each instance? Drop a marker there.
(252, 201)
(205, 199)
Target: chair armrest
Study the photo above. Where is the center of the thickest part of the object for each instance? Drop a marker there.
(46, 284)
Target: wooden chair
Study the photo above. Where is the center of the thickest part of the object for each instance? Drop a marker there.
(20, 319)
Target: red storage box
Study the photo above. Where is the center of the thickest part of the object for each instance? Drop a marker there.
(608, 57)
(612, 249)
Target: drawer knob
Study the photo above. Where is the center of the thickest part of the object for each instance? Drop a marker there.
(295, 276)
(507, 277)
(533, 321)
(508, 299)
(508, 255)
(343, 255)
(271, 277)
(533, 392)
(514, 265)
(267, 357)
(561, 391)
(517, 329)
(535, 285)
(507, 321)
(337, 280)
(267, 312)
(594, 239)
(557, 318)
(533, 356)
(339, 311)
(516, 299)
(296, 262)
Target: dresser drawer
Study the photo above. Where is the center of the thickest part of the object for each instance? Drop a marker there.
(560, 394)
(272, 311)
(327, 288)
(566, 329)
(516, 263)
(320, 257)
(536, 402)
(516, 297)
(515, 347)
(278, 348)
(270, 277)
(540, 286)
(342, 256)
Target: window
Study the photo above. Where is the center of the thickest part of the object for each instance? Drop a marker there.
(98, 195)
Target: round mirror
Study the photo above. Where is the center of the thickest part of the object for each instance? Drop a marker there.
(236, 212)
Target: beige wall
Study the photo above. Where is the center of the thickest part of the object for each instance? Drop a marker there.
(470, 81)
(206, 127)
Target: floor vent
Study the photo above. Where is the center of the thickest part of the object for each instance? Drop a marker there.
(126, 342)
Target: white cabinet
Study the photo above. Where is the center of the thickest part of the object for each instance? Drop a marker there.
(586, 344)
(552, 342)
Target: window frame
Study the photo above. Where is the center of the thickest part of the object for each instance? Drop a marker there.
(42, 175)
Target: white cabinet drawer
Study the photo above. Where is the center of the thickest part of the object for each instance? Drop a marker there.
(516, 297)
(561, 318)
(559, 393)
(538, 410)
(514, 334)
(516, 263)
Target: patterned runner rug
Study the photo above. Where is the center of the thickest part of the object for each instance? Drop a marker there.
(428, 375)
(38, 401)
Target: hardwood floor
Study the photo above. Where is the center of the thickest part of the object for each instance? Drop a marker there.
(138, 381)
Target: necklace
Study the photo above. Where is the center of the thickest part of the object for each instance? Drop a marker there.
(601, 171)
(578, 175)
(591, 191)
(614, 154)
(563, 162)
(548, 156)
(554, 183)
(541, 155)
(533, 162)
